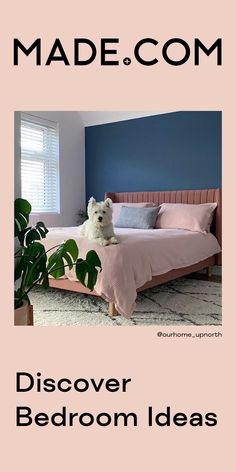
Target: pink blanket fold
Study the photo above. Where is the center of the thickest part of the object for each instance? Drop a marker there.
(140, 255)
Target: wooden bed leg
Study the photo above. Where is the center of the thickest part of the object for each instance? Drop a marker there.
(209, 272)
(111, 309)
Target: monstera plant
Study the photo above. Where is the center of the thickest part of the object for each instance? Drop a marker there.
(32, 264)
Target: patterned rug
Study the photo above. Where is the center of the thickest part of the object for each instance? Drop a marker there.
(184, 301)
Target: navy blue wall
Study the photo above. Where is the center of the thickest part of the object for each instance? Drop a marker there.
(172, 151)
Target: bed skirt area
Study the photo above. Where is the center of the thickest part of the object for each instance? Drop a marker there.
(65, 284)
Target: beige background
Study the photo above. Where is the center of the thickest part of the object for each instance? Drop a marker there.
(189, 375)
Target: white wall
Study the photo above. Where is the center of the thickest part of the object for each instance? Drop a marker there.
(72, 166)
(91, 118)
(17, 180)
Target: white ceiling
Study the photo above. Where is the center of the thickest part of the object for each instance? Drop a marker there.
(91, 118)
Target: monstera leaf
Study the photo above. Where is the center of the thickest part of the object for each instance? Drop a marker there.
(86, 270)
(19, 264)
(32, 266)
(32, 233)
(67, 253)
(22, 211)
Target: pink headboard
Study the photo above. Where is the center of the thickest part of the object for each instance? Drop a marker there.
(178, 196)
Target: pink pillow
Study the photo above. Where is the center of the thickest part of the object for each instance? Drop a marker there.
(117, 207)
(184, 216)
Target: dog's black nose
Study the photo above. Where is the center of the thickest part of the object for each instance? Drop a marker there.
(100, 218)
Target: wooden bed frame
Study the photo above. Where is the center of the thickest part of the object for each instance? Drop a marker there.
(178, 196)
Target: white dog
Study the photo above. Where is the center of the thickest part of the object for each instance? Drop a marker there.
(99, 225)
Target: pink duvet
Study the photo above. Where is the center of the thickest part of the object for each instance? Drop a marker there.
(140, 255)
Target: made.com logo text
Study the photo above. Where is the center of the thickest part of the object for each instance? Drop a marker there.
(105, 52)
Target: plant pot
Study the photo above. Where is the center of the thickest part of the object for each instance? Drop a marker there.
(23, 316)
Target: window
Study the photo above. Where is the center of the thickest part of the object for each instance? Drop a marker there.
(40, 163)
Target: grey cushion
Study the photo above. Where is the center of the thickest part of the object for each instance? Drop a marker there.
(140, 218)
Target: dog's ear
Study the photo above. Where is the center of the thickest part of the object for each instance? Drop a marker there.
(108, 202)
(92, 201)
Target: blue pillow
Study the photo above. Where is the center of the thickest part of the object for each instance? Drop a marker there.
(140, 218)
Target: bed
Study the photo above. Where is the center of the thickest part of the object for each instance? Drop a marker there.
(145, 258)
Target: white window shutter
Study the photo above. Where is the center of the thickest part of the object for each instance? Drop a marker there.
(40, 163)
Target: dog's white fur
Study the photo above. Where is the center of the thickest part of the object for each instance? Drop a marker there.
(99, 225)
